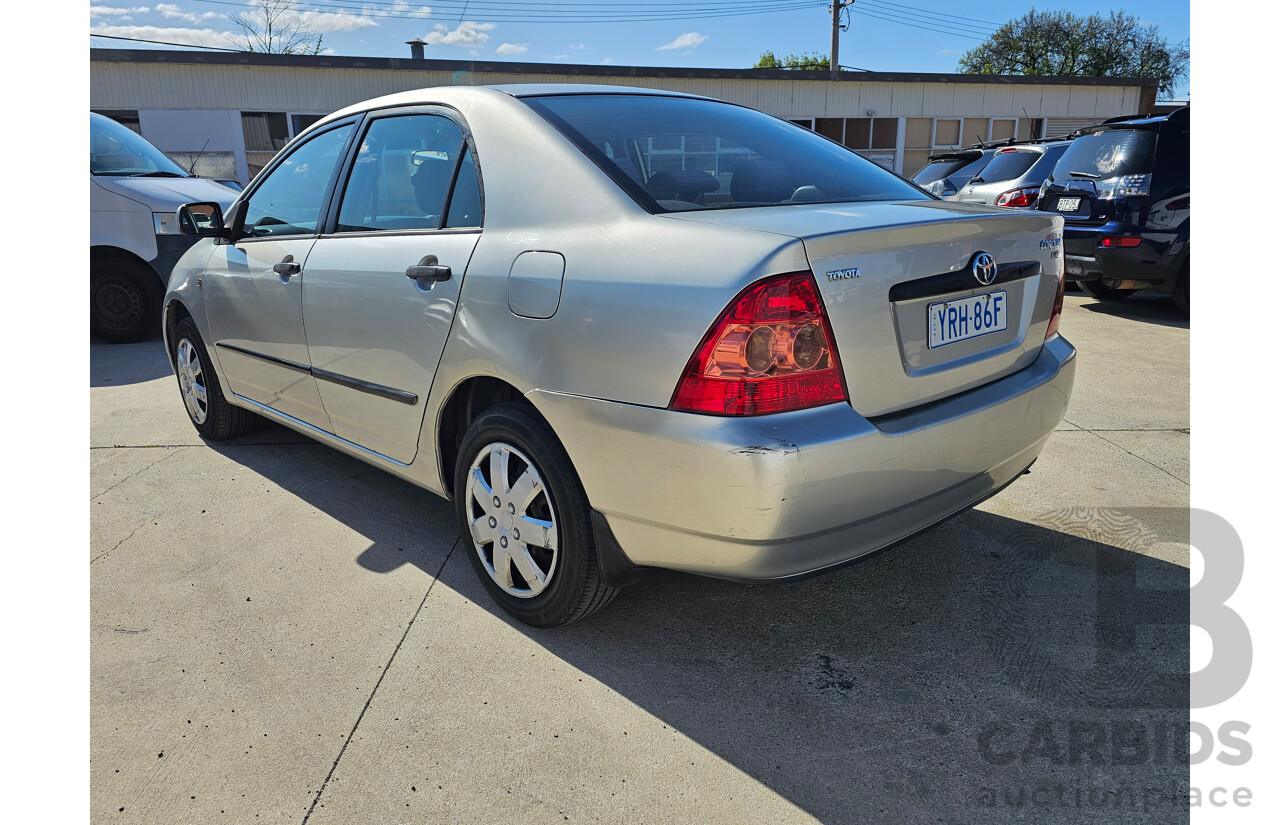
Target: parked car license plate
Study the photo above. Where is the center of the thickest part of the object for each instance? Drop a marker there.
(964, 318)
(1068, 204)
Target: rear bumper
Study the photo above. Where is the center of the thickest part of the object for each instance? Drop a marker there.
(783, 496)
(1150, 262)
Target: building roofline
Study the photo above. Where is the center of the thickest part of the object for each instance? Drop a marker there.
(300, 61)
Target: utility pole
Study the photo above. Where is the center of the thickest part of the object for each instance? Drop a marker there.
(836, 7)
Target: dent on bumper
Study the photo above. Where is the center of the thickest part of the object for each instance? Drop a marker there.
(780, 496)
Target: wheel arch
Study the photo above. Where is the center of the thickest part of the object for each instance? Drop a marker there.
(103, 254)
(467, 401)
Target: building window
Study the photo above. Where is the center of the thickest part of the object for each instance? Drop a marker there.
(127, 118)
(266, 133)
(928, 136)
(302, 122)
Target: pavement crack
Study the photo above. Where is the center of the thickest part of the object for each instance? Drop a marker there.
(352, 735)
(134, 473)
(1098, 433)
(106, 553)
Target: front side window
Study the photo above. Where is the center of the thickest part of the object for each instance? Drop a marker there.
(402, 174)
(676, 154)
(288, 201)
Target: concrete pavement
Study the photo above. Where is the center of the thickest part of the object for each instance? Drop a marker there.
(280, 633)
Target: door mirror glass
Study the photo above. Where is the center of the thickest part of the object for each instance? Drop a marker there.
(204, 219)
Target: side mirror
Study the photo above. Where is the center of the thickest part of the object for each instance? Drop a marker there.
(204, 220)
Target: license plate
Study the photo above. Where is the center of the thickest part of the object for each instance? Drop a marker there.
(1068, 204)
(965, 318)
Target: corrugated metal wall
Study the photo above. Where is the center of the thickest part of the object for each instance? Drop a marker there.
(261, 88)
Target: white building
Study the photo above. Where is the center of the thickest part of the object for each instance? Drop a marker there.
(235, 110)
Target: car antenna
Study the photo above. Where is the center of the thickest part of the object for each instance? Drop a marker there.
(191, 170)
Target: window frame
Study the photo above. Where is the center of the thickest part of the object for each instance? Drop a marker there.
(241, 205)
(334, 204)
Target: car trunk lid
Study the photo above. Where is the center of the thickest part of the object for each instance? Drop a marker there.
(886, 270)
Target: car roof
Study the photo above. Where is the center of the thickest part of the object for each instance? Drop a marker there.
(540, 89)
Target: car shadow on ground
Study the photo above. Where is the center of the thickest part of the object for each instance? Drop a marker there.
(1145, 306)
(990, 670)
(114, 365)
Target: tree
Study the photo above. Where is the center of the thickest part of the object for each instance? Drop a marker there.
(807, 62)
(1059, 43)
(276, 27)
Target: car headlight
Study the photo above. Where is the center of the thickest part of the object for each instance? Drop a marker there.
(1125, 186)
(166, 223)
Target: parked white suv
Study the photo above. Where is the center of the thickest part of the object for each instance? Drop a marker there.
(134, 195)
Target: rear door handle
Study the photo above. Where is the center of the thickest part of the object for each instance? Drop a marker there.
(428, 269)
(287, 267)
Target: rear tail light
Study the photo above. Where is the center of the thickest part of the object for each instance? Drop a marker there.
(1024, 196)
(770, 351)
(1114, 241)
(1055, 317)
(1125, 186)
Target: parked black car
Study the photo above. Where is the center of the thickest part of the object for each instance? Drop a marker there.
(1124, 188)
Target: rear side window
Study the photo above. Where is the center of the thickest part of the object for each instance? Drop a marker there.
(1007, 166)
(402, 174)
(675, 154)
(1108, 154)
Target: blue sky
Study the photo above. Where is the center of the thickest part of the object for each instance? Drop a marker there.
(885, 35)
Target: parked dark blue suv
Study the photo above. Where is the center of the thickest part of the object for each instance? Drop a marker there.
(1124, 189)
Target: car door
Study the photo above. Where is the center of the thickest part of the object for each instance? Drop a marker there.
(255, 284)
(383, 282)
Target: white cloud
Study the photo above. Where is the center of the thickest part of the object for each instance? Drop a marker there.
(173, 12)
(513, 48)
(468, 33)
(560, 57)
(946, 52)
(187, 37)
(403, 9)
(608, 61)
(578, 47)
(112, 11)
(688, 40)
(341, 21)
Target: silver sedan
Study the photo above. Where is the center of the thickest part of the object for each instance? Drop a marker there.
(623, 329)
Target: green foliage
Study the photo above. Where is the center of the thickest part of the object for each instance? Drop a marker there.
(1059, 43)
(808, 62)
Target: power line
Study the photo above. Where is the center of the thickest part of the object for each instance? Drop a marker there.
(932, 13)
(162, 42)
(599, 14)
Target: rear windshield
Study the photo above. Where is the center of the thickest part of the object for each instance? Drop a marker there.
(956, 171)
(1108, 154)
(678, 154)
(1007, 166)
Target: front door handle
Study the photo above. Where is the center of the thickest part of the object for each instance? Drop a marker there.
(428, 269)
(287, 267)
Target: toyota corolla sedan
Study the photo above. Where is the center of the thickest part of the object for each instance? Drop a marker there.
(623, 329)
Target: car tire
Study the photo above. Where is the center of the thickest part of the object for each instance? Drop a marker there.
(512, 474)
(1182, 292)
(124, 301)
(1103, 292)
(212, 415)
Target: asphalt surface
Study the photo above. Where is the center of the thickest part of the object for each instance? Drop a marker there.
(280, 633)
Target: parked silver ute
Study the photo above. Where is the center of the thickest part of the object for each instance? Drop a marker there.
(623, 328)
